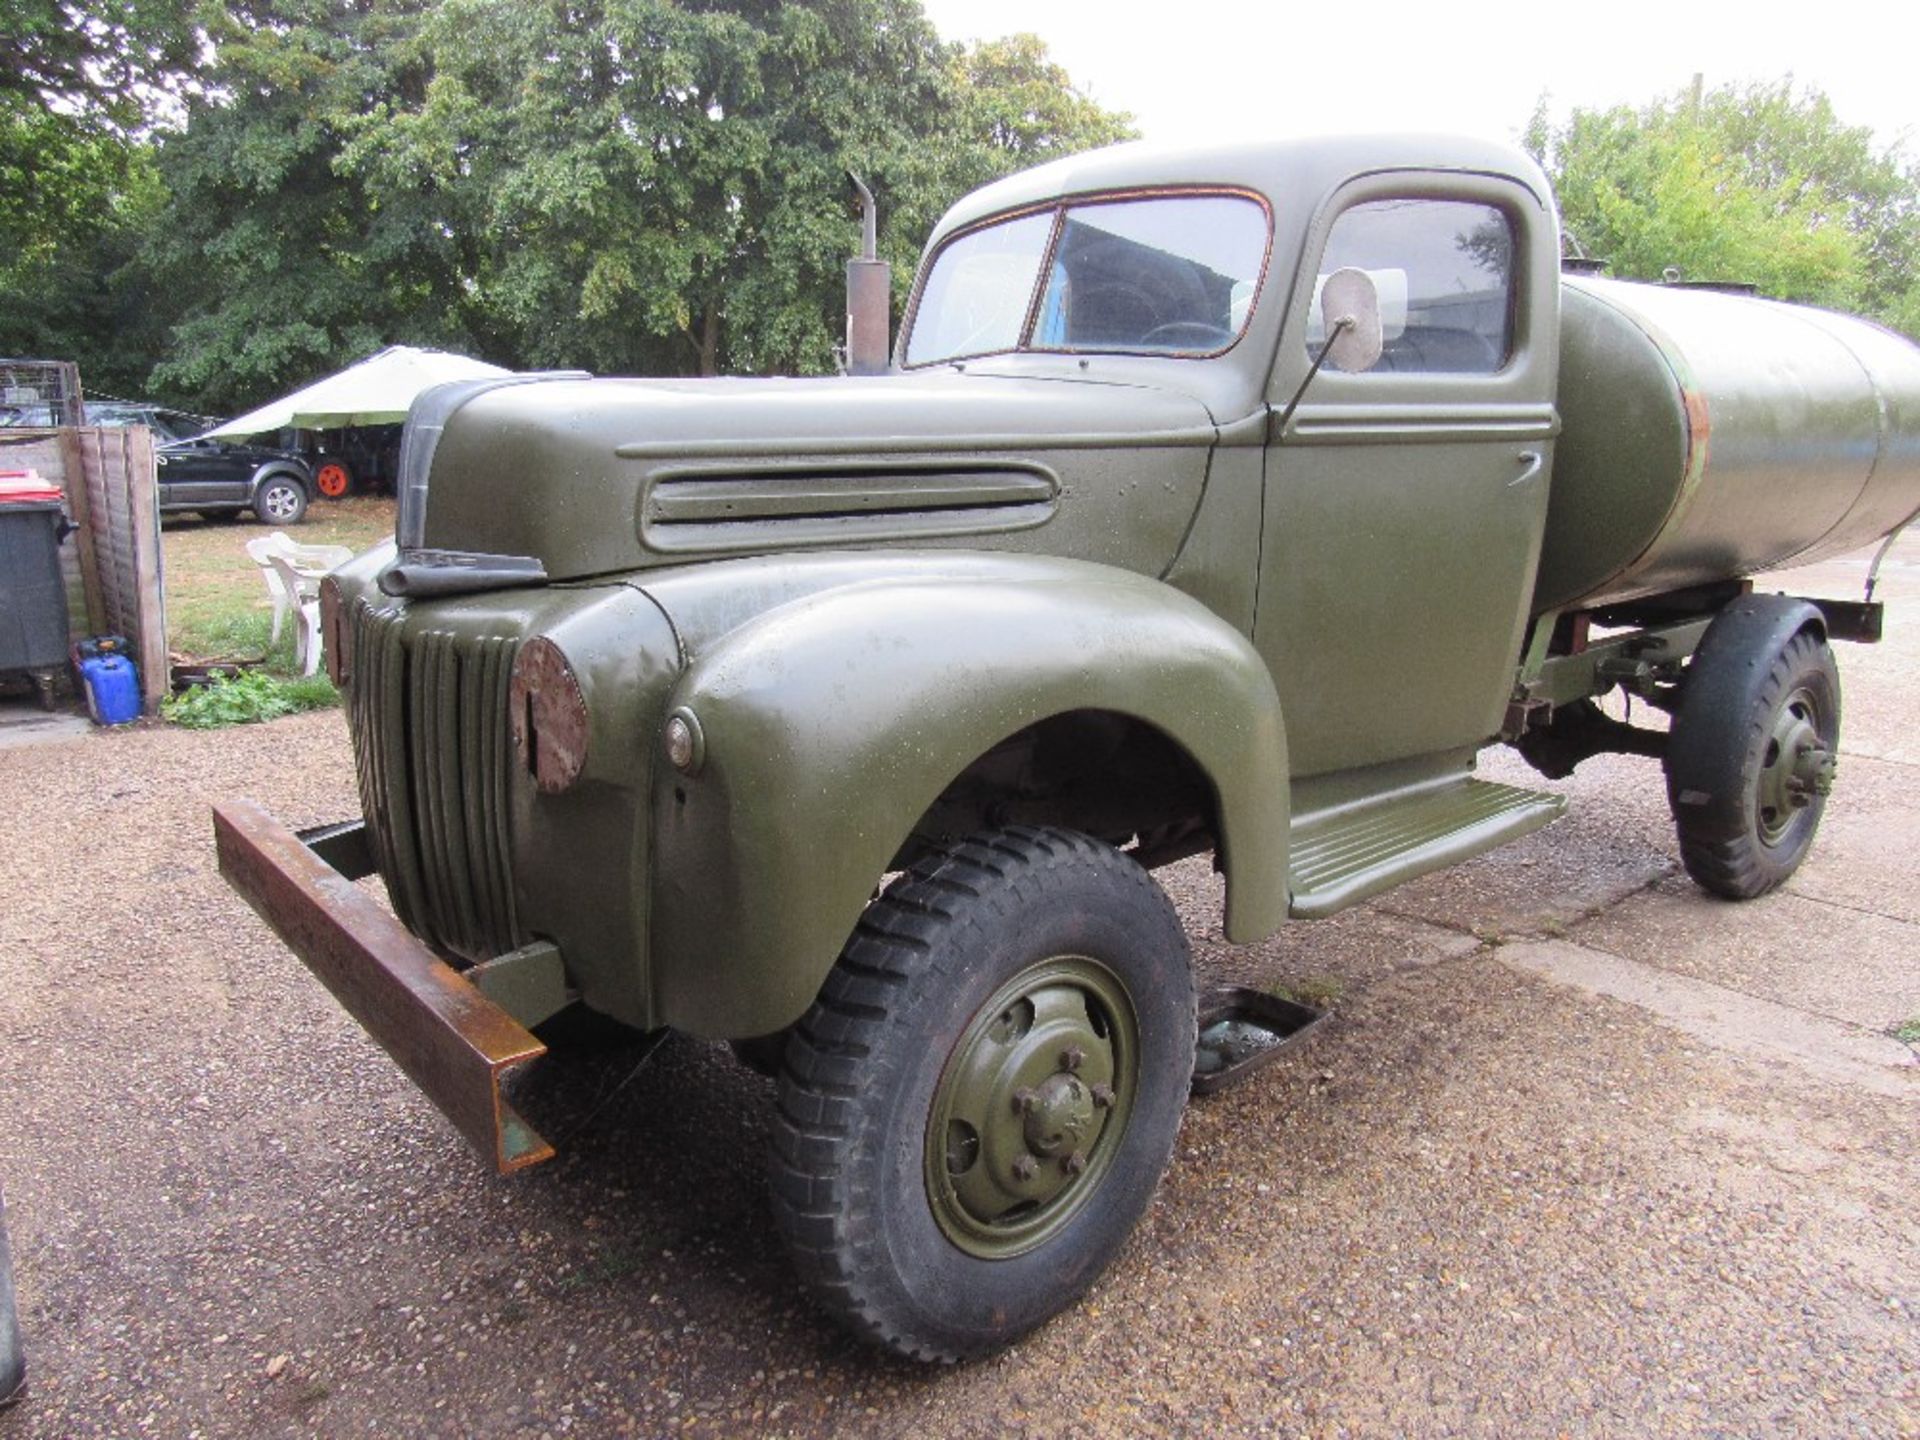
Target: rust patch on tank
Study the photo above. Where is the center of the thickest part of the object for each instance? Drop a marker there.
(1699, 432)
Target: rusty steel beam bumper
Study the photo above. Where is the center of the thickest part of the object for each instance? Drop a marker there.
(452, 1041)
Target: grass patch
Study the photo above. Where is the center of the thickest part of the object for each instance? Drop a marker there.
(235, 634)
(217, 602)
(1317, 991)
(219, 608)
(253, 696)
(1909, 1033)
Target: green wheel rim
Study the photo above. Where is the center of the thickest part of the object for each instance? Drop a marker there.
(1032, 1107)
(1795, 769)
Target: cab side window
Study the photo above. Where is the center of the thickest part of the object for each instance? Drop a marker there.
(1444, 272)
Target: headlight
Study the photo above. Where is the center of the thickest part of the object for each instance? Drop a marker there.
(549, 716)
(336, 635)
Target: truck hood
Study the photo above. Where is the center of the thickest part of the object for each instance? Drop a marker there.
(593, 477)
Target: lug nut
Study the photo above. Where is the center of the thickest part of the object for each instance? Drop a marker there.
(1074, 1163)
(1103, 1096)
(1024, 1100)
(1024, 1168)
(1072, 1058)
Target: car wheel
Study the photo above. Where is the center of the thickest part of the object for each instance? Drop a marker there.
(280, 500)
(976, 1110)
(1751, 761)
(333, 479)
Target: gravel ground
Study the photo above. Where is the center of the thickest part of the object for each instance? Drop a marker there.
(1495, 1196)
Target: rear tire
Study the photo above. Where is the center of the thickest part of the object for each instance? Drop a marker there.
(1750, 762)
(333, 478)
(280, 500)
(977, 1109)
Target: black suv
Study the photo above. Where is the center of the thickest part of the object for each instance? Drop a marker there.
(214, 475)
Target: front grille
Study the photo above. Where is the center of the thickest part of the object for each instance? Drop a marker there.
(432, 753)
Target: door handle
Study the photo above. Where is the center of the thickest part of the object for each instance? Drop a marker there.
(1534, 460)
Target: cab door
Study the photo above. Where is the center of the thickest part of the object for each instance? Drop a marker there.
(1404, 506)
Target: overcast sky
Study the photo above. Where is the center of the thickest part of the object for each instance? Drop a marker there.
(1198, 69)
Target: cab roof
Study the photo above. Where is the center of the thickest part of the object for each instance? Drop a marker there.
(1293, 173)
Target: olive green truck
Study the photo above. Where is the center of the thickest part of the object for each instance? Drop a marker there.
(1222, 501)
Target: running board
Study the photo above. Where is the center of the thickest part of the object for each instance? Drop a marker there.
(1339, 860)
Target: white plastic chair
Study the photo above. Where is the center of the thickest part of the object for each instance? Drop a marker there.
(293, 573)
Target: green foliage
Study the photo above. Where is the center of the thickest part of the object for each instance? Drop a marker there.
(275, 266)
(251, 697)
(1017, 108)
(75, 198)
(106, 60)
(229, 632)
(1754, 183)
(626, 186)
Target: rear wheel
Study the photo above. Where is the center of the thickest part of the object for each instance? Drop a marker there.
(333, 479)
(977, 1109)
(1751, 761)
(280, 500)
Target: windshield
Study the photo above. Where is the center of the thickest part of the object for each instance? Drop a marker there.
(1166, 275)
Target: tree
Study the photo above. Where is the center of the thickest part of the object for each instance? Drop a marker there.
(1754, 183)
(79, 81)
(1018, 108)
(626, 186)
(651, 187)
(75, 198)
(105, 59)
(275, 265)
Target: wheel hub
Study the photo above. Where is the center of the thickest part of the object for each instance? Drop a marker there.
(1797, 767)
(1031, 1106)
(1061, 1114)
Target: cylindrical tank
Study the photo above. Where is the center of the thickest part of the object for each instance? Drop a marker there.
(1707, 436)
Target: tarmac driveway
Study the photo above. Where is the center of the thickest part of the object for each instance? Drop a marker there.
(1582, 1153)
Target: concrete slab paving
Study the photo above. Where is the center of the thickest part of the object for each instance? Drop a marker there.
(1877, 716)
(23, 722)
(1866, 855)
(1823, 959)
(1731, 1019)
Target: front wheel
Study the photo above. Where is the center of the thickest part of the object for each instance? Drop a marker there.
(1751, 758)
(977, 1109)
(280, 500)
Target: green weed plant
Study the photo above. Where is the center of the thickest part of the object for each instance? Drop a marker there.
(251, 697)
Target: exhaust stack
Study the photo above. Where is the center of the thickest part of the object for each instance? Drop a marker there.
(869, 295)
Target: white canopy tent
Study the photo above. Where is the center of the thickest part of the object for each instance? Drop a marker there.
(375, 391)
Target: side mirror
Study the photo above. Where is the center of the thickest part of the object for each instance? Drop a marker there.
(1350, 314)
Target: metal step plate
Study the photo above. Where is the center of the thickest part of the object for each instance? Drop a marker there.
(1344, 859)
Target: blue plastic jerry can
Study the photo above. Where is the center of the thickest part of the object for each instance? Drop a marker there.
(113, 689)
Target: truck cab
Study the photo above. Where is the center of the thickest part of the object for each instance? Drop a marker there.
(1217, 501)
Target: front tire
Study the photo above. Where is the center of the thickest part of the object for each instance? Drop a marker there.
(977, 1109)
(1751, 760)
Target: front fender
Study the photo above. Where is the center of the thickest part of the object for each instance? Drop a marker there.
(833, 720)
